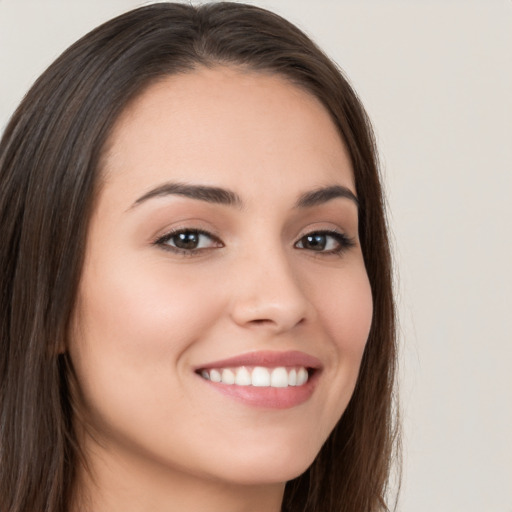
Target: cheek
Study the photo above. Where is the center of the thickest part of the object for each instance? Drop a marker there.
(146, 308)
(133, 324)
(346, 310)
(134, 327)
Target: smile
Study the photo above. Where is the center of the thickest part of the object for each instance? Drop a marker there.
(267, 379)
(258, 376)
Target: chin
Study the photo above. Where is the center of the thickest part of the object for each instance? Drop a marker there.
(262, 469)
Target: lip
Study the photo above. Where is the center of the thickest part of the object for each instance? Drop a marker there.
(268, 359)
(267, 397)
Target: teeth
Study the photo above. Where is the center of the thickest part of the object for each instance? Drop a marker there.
(228, 377)
(279, 378)
(243, 377)
(215, 376)
(260, 376)
(302, 376)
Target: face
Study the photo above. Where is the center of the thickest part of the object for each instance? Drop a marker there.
(224, 304)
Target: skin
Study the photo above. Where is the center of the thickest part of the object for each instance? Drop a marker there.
(157, 436)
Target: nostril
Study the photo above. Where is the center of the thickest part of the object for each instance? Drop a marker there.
(277, 322)
(267, 309)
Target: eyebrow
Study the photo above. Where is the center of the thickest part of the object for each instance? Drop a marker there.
(325, 194)
(226, 197)
(206, 193)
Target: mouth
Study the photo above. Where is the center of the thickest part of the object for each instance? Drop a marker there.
(267, 379)
(259, 376)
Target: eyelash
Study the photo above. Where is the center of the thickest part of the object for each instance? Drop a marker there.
(163, 241)
(343, 241)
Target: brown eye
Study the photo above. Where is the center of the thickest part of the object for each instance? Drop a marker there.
(188, 240)
(328, 242)
(314, 242)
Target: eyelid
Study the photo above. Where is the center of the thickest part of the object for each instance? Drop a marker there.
(187, 223)
(342, 240)
(161, 240)
(345, 242)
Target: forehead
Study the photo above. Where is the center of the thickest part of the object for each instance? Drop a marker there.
(220, 125)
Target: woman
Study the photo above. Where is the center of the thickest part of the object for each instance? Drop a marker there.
(196, 291)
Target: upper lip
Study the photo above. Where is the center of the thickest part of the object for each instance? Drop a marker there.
(267, 358)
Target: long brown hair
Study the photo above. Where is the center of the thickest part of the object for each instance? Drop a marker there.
(50, 158)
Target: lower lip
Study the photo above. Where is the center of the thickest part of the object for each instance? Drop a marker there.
(268, 397)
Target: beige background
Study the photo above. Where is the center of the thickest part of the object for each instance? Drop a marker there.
(436, 78)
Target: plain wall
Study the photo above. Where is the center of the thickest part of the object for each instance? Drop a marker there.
(436, 78)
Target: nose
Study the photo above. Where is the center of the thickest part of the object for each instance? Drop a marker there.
(267, 294)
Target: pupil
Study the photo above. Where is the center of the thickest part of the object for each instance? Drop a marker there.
(316, 242)
(186, 240)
